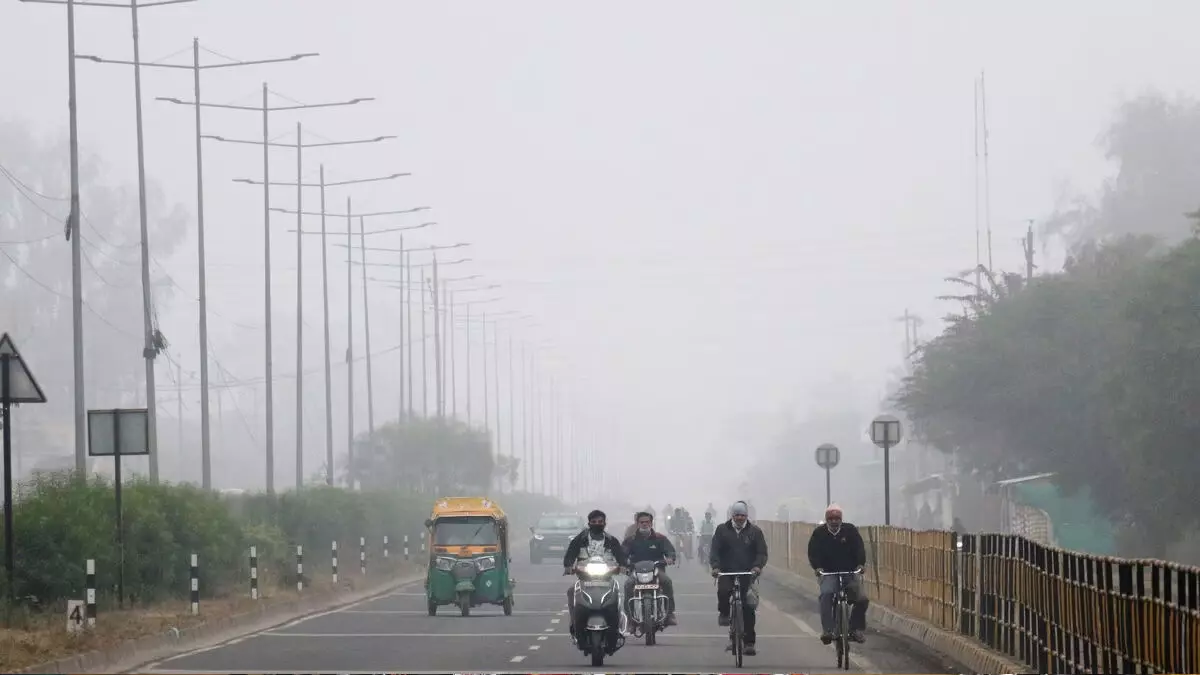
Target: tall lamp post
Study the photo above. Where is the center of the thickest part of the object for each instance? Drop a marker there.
(265, 110)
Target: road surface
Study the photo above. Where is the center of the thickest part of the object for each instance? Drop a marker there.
(393, 633)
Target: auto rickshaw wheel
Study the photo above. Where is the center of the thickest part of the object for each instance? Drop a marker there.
(432, 608)
(508, 606)
(464, 603)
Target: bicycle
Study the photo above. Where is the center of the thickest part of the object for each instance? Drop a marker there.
(841, 618)
(737, 629)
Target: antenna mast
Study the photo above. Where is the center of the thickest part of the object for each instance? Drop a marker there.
(975, 94)
(987, 181)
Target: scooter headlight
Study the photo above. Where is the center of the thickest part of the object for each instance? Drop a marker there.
(595, 569)
(644, 577)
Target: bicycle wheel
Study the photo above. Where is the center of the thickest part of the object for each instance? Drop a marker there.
(842, 619)
(736, 627)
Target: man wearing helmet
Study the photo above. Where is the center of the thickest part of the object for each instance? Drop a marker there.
(737, 546)
(838, 547)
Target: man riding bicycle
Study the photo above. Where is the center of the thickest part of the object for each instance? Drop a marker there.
(646, 544)
(838, 547)
(737, 546)
(707, 527)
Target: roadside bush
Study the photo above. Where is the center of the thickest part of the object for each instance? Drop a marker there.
(60, 522)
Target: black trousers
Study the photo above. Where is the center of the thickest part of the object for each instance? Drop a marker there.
(749, 618)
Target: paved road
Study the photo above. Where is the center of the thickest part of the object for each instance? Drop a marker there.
(393, 633)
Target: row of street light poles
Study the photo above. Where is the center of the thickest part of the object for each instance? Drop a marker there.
(431, 286)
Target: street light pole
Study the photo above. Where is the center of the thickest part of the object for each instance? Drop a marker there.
(265, 110)
(362, 238)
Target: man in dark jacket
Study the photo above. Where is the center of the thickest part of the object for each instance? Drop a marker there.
(592, 541)
(838, 547)
(647, 544)
(737, 546)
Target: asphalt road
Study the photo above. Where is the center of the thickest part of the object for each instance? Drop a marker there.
(393, 633)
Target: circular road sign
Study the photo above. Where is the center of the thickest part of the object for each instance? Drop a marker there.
(828, 455)
(886, 431)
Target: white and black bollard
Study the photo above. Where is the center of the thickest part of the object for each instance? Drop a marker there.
(406, 548)
(195, 584)
(299, 567)
(362, 554)
(253, 572)
(422, 543)
(334, 552)
(385, 547)
(90, 601)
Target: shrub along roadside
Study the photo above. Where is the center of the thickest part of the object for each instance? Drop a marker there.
(61, 522)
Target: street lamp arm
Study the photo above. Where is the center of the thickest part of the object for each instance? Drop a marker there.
(391, 213)
(259, 62)
(402, 229)
(362, 180)
(111, 5)
(353, 101)
(377, 139)
(119, 62)
(242, 142)
(251, 181)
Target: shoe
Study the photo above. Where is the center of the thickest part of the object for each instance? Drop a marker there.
(857, 636)
(671, 620)
(826, 638)
(722, 621)
(749, 649)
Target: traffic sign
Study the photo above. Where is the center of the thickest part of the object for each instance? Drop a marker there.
(828, 455)
(886, 431)
(22, 387)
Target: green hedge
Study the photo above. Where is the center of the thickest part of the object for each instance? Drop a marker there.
(60, 522)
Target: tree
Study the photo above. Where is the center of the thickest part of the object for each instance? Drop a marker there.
(1086, 373)
(506, 471)
(35, 274)
(426, 456)
(1153, 141)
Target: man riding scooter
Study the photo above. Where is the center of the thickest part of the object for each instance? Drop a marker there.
(646, 544)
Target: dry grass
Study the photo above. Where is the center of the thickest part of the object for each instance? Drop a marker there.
(40, 638)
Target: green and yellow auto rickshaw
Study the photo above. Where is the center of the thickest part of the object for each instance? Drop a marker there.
(468, 555)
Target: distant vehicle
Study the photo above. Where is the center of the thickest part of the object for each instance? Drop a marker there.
(552, 534)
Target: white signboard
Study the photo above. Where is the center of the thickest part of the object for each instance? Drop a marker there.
(885, 431)
(75, 616)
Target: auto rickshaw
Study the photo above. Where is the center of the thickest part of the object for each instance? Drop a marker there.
(468, 555)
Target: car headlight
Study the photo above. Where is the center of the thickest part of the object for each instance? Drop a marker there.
(538, 537)
(595, 569)
(485, 563)
(445, 564)
(645, 577)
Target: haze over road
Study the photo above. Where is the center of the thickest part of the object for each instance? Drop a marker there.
(394, 632)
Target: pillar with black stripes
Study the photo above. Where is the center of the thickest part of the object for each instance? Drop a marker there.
(362, 554)
(385, 547)
(299, 567)
(334, 552)
(253, 572)
(90, 601)
(406, 548)
(195, 584)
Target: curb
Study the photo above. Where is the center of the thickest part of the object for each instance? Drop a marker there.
(964, 651)
(150, 648)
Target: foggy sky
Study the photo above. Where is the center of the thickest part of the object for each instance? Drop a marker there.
(710, 208)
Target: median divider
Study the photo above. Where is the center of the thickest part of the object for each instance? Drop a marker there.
(264, 615)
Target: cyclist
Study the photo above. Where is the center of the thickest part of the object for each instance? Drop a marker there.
(646, 544)
(707, 526)
(737, 546)
(838, 547)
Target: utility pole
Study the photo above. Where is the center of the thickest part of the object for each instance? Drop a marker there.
(197, 68)
(911, 323)
(424, 352)
(151, 342)
(324, 213)
(407, 275)
(265, 110)
(1028, 246)
(453, 365)
(527, 416)
(437, 343)
(362, 240)
(467, 345)
(299, 212)
(512, 436)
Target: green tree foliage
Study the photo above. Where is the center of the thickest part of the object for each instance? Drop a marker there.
(425, 456)
(1089, 373)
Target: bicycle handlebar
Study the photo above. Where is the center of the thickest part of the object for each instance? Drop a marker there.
(736, 574)
(838, 574)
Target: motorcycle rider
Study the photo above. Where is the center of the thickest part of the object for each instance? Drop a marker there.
(646, 544)
(837, 546)
(737, 546)
(593, 541)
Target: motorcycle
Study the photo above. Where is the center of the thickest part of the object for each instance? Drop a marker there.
(648, 605)
(597, 597)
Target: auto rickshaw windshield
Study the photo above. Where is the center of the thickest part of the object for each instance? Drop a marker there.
(466, 531)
